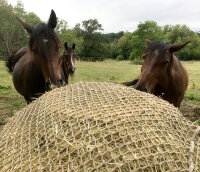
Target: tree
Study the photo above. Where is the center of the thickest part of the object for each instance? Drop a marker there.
(147, 30)
(111, 37)
(114, 49)
(61, 26)
(93, 40)
(180, 34)
(124, 45)
(19, 10)
(69, 35)
(12, 34)
(32, 19)
(91, 26)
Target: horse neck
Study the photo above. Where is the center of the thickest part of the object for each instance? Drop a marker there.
(64, 63)
(64, 69)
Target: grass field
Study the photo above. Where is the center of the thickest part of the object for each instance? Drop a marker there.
(107, 71)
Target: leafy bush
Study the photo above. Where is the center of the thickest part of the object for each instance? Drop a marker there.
(137, 61)
(5, 87)
(120, 57)
(132, 56)
(198, 122)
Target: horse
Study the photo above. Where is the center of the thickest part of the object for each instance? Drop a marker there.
(68, 62)
(34, 67)
(162, 74)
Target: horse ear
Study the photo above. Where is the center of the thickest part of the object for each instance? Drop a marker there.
(52, 20)
(66, 46)
(73, 46)
(148, 42)
(26, 26)
(178, 47)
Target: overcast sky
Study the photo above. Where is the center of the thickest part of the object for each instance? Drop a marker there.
(119, 15)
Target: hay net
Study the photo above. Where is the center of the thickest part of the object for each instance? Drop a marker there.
(99, 127)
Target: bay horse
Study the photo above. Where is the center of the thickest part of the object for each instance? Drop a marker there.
(68, 62)
(162, 74)
(36, 66)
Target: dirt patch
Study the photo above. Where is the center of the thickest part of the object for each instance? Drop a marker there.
(190, 109)
(8, 106)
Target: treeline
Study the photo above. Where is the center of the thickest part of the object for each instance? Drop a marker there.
(131, 45)
(90, 43)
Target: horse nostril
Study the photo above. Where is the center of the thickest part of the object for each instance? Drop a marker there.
(60, 82)
(141, 88)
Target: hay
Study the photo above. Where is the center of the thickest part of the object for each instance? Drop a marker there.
(99, 127)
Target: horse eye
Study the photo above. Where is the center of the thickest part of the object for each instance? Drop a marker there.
(165, 62)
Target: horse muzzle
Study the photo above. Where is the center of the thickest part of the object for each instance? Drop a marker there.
(141, 88)
(59, 83)
(56, 84)
(71, 70)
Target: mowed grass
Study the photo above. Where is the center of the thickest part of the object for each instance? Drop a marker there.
(193, 90)
(10, 100)
(106, 71)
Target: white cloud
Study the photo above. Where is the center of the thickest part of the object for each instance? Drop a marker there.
(119, 15)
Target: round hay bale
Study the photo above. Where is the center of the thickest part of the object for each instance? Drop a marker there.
(99, 127)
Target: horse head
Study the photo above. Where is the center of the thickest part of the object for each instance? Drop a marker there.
(157, 65)
(44, 47)
(69, 58)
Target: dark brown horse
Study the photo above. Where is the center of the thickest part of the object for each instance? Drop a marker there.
(36, 66)
(68, 62)
(162, 74)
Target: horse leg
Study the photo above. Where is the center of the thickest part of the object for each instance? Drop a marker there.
(66, 81)
(28, 99)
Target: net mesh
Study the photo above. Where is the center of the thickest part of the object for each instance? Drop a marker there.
(99, 127)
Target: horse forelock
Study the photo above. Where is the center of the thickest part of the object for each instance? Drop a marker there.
(39, 29)
(70, 50)
(159, 47)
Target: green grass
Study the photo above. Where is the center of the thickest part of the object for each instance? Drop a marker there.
(198, 122)
(193, 90)
(10, 100)
(106, 71)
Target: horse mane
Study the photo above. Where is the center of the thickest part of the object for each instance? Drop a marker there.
(158, 45)
(42, 28)
(13, 59)
(10, 63)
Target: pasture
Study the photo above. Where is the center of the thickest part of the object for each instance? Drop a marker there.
(106, 71)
